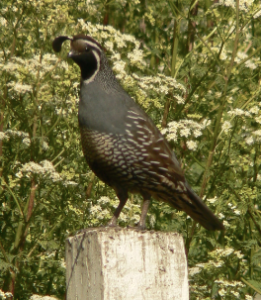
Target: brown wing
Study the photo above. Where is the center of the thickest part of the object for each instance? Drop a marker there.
(161, 174)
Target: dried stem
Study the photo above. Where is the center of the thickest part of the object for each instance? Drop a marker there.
(90, 185)
(165, 114)
(173, 67)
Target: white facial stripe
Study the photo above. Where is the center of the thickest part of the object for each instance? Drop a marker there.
(97, 70)
(89, 43)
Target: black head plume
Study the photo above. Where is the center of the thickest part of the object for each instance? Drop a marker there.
(57, 43)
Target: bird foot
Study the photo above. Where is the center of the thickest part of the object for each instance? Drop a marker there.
(141, 226)
(112, 222)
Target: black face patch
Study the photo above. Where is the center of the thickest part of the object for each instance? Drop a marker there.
(87, 63)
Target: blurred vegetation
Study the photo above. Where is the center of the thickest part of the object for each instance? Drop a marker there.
(194, 66)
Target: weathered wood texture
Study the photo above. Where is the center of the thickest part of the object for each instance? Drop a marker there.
(126, 264)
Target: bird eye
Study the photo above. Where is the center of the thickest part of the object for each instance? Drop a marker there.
(87, 49)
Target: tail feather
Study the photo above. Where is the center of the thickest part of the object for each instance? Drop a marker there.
(198, 210)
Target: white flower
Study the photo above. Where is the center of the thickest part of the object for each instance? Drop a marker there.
(194, 270)
(32, 167)
(44, 168)
(3, 136)
(254, 110)
(226, 224)
(258, 119)
(185, 132)
(45, 145)
(95, 209)
(197, 133)
(119, 67)
(227, 251)
(64, 65)
(10, 67)
(222, 292)
(26, 141)
(76, 84)
(226, 126)
(237, 212)
(123, 217)
(257, 133)
(235, 294)
(191, 145)
(119, 41)
(136, 58)
(164, 89)
(3, 22)
(223, 55)
(185, 128)
(22, 88)
(206, 123)
(163, 131)
(69, 182)
(244, 5)
(239, 112)
(249, 140)
(16, 133)
(103, 214)
(239, 254)
(221, 216)
(63, 264)
(104, 200)
(56, 77)
(172, 137)
(250, 64)
(109, 45)
(47, 165)
(248, 297)
(179, 99)
(240, 56)
(212, 200)
(255, 16)
(218, 264)
(117, 57)
(55, 176)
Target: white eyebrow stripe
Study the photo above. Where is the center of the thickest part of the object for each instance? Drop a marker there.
(89, 43)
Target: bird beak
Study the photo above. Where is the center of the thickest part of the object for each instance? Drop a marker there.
(70, 54)
(73, 52)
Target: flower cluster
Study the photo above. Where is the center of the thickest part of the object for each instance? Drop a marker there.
(244, 5)
(45, 168)
(5, 296)
(185, 128)
(218, 260)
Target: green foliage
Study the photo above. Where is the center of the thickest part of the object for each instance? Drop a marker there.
(195, 68)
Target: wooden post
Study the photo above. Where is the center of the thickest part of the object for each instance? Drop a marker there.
(126, 264)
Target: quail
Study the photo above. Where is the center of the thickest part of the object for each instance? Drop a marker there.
(122, 145)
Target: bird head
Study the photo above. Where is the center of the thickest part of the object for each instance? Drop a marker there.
(85, 52)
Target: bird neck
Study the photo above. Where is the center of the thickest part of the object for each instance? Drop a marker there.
(105, 77)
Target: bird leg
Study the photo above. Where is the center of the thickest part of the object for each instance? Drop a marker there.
(123, 197)
(145, 207)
